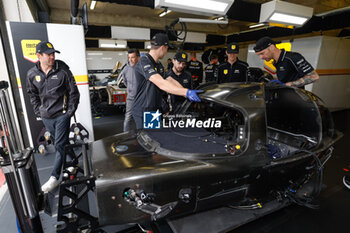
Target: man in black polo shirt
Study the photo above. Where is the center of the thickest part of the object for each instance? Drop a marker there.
(292, 69)
(150, 82)
(195, 67)
(178, 73)
(211, 70)
(233, 70)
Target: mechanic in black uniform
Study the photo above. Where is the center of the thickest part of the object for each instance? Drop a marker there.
(150, 81)
(234, 70)
(211, 69)
(183, 77)
(170, 64)
(292, 69)
(195, 67)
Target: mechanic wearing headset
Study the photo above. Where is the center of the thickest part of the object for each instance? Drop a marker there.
(292, 68)
(234, 70)
(178, 73)
(150, 81)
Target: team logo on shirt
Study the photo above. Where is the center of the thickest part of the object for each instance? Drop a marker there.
(37, 78)
(225, 71)
(151, 120)
(236, 72)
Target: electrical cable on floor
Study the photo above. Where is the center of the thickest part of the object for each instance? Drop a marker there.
(307, 201)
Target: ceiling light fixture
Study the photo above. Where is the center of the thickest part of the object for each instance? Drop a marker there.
(285, 12)
(203, 7)
(94, 54)
(194, 20)
(285, 18)
(116, 44)
(220, 18)
(92, 5)
(164, 13)
(147, 45)
(257, 25)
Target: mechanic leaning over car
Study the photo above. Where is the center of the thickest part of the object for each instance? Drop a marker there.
(211, 70)
(129, 79)
(292, 68)
(150, 81)
(178, 73)
(195, 67)
(55, 97)
(234, 70)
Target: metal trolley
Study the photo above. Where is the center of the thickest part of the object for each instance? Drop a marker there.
(19, 167)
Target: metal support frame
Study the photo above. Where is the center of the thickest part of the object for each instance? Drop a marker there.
(75, 188)
(20, 169)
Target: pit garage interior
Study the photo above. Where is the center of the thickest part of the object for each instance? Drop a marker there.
(94, 37)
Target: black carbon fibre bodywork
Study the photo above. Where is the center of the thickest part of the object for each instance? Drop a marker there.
(152, 174)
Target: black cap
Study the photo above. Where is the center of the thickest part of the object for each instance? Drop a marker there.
(160, 39)
(263, 43)
(232, 48)
(46, 47)
(181, 56)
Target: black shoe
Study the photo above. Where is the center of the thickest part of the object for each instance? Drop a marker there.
(346, 181)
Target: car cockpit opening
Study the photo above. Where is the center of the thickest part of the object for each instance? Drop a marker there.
(229, 138)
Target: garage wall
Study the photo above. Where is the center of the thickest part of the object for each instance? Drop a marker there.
(334, 70)
(101, 63)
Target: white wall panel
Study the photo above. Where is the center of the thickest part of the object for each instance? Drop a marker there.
(73, 53)
(131, 33)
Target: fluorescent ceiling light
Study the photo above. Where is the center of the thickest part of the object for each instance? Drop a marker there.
(285, 18)
(95, 54)
(92, 5)
(164, 13)
(220, 18)
(257, 25)
(201, 4)
(206, 7)
(116, 44)
(285, 12)
(193, 20)
(147, 45)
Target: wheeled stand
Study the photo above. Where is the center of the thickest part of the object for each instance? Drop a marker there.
(19, 167)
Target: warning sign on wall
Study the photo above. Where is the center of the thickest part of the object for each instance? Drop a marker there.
(29, 50)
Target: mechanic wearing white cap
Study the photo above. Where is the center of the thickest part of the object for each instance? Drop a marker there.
(292, 68)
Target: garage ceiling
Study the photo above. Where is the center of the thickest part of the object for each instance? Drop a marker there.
(108, 12)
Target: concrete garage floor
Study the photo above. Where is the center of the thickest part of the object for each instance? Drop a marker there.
(333, 215)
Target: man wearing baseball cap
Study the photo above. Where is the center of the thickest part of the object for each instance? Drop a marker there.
(150, 81)
(178, 73)
(234, 70)
(55, 97)
(292, 68)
